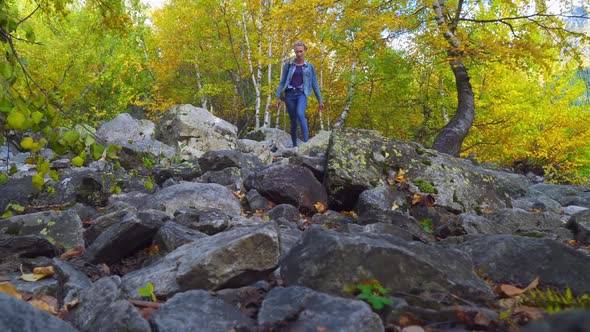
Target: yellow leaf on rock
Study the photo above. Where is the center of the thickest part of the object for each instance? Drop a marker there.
(401, 176)
(319, 207)
(32, 277)
(46, 270)
(8, 288)
(45, 302)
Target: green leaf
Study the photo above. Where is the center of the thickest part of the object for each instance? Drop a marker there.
(6, 70)
(149, 185)
(96, 150)
(5, 105)
(71, 137)
(27, 143)
(43, 167)
(3, 178)
(115, 190)
(17, 120)
(77, 161)
(112, 151)
(38, 181)
(54, 175)
(6, 214)
(37, 117)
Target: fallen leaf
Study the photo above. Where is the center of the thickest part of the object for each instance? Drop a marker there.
(533, 284)
(482, 319)
(423, 200)
(390, 181)
(487, 211)
(526, 313)
(508, 290)
(321, 329)
(401, 176)
(154, 249)
(46, 270)
(32, 277)
(72, 253)
(572, 243)
(535, 210)
(8, 288)
(350, 214)
(394, 206)
(239, 194)
(413, 328)
(319, 206)
(45, 302)
(63, 311)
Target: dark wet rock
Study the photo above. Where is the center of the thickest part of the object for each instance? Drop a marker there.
(256, 201)
(396, 263)
(185, 171)
(172, 235)
(71, 281)
(26, 246)
(18, 315)
(469, 224)
(580, 225)
(303, 309)
(231, 176)
(285, 211)
(289, 184)
(233, 258)
(61, 228)
(134, 232)
(197, 310)
(102, 223)
(517, 260)
(205, 220)
(399, 219)
(383, 228)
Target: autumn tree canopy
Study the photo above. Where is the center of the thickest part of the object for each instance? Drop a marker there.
(499, 81)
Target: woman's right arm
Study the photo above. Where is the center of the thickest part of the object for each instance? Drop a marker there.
(283, 80)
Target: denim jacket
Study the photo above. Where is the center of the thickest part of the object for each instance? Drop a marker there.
(310, 80)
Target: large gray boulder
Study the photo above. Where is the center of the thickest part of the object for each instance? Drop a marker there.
(328, 261)
(316, 311)
(125, 128)
(517, 260)
(195, 130)
(61, 228)
(18, 315)
(194, 195)
(290, 184)
(273, 137)
(229, 259)
(566, 195)
(197, 310)
(580, 225)
(359, 160)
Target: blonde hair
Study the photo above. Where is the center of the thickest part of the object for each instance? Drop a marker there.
(300, 43)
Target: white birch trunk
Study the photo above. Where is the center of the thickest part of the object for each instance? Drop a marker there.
(254, 80)
(344, 113)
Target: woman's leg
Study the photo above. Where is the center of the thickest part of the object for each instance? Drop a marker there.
(291, 104)
(301, 106)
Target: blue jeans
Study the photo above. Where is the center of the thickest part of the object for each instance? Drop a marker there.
(296, 102)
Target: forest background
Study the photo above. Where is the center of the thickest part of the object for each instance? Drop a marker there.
(385, 65)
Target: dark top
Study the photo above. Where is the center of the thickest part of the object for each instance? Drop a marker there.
(297, 79)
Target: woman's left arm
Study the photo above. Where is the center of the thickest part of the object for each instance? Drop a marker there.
(316, 88)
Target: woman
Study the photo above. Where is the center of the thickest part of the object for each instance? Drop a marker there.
(297, 81)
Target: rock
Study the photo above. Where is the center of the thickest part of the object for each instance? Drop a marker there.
(16, 191)
(289, 184)
(539, 203)
(359, 160)
(103, 307)
(332, 220)
(316, 145)
(71, 281)
(144, 153)
(185, 171)
(382, 197)
(580, 225)
(258, 149)
(232, 258)
(102, 223)
(195, 131)
(219, 160)
(286, 211)
(399, 219)
(18, 315)
(577, 320)
(315, 164)
(527, 223)
(172, 235)
(195, 195)
(125, 128)
(302, 309)
(395, 263)
(134, 232)
(257, 202)
(383, 228)
(564, 194)
(247, 298)
(275, 138)
(197, 310)
(230, 177)
(61, 228)
(25, 246)
(206, 220)
(517, 260)
(468, 224)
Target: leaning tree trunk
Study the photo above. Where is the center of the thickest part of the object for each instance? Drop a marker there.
(450, 138)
